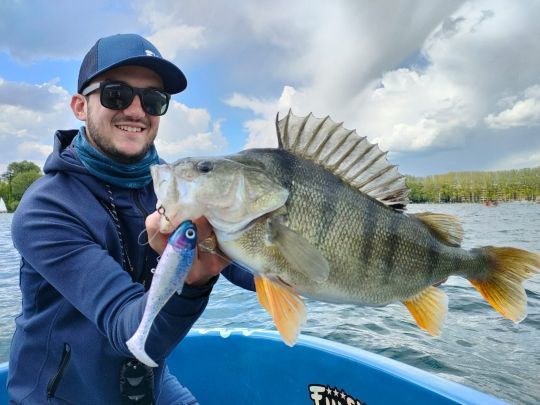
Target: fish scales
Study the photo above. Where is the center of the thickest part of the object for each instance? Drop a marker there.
(363, 240)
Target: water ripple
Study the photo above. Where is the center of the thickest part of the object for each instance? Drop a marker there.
(477, 347)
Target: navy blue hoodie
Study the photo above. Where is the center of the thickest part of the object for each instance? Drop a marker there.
(79, 305)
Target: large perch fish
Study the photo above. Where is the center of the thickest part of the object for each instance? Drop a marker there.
(169, 278)
(323, 217)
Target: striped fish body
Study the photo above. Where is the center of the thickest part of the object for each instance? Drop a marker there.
(376, 254)
(323, 216)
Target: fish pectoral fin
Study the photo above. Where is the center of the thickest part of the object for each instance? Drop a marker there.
(446, 228)
(284, 304)
(299, 253)
(429, 309)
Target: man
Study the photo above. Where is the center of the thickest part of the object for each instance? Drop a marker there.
(85, 267)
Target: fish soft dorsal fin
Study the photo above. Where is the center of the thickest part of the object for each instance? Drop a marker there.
(446, 228)
(284, 304)
(346, 154)
(429, 309)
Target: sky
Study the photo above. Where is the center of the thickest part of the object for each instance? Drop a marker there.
(442, 85)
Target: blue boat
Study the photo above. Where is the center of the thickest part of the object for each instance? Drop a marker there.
(256, 367)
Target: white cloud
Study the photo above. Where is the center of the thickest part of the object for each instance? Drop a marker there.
(258, 106)
(172, 39)
(186, 131)
(261, 131)
(29, 116)
(413, 110)
(465, 68)
(471, 65)
(449, 81)
(262, 134)
(521, 160)
(45, 97)
(524, 111)
(29, 150)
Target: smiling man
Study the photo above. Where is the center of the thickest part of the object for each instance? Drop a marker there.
(125, 134)
(85, 266)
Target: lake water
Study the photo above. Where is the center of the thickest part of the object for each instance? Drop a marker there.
(478, 347)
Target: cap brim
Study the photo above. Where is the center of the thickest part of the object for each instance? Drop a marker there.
(173, 78)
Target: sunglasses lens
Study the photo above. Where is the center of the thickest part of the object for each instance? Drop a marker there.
(155, 102)
(119, 96)
(116, 96)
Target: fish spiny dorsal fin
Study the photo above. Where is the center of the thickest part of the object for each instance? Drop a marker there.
(446, 228)
(283, 137)
(347, 155)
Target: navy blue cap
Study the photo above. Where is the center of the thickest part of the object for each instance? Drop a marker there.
(129, 49)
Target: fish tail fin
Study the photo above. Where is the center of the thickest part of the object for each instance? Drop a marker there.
(136, 347)
(429, 309)
(502, 284)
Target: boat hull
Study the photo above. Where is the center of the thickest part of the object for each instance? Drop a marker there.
(256, 367)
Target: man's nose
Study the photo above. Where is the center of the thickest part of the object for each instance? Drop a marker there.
(135, 110)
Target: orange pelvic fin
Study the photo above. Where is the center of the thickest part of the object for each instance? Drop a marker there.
(503, 286)
(429, 309)
(284, 304)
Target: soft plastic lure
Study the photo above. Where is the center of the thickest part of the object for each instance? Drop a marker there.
(169, 278)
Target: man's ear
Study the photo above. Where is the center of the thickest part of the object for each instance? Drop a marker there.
(78, 105)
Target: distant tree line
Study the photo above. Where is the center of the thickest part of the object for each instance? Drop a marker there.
(475, 187)
(14, 182)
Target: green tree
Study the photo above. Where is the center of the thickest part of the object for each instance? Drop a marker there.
(17, 178)
(4, 189)
(505, 185)
(21, 182)
(14, 168)
(417, 191)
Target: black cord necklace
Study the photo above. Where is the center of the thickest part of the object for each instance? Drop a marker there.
(126, 262)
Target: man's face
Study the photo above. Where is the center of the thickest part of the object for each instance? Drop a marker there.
(124, 135)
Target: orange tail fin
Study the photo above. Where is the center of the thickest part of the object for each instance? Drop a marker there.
(503, 286)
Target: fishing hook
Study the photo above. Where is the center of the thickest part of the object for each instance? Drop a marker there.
(161, 211)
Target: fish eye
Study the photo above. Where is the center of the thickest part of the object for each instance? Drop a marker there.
(205, 166)
(190, 233)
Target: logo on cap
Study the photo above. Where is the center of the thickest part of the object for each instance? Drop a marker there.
(149, 52)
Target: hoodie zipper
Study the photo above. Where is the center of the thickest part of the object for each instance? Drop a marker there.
(55, 380)
(137, 200)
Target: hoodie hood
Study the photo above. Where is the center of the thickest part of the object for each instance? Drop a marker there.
(64, 159)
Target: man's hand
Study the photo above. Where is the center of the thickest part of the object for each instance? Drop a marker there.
(205, 266)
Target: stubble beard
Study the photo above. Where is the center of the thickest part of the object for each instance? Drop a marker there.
(106, 146)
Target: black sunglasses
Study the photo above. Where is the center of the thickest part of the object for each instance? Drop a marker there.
(119, 96)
